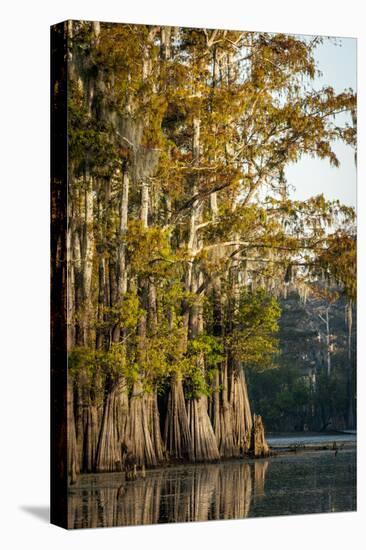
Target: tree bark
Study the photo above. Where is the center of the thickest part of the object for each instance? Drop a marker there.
(177, 437)
(258, 444)
(72, 453)
(203, 438)
(112, 436)
(241, 414)
(138, 437)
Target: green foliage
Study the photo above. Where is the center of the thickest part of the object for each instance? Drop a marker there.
(339, 261)
(299, 392)
(90, 141)
(280, 394)
(148, 250)
(209, 347)
(124, 314)
(199, 365)
(103, 365)
(195, 383)
(254, 322)
(251, 95)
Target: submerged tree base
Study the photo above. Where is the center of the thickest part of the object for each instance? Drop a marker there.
(258, 444)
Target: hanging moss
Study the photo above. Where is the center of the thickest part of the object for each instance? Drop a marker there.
(174, 265)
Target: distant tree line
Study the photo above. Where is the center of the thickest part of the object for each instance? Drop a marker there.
(313, 386)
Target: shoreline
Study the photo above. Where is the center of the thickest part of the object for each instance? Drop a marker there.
(276, 452)
(297, 448)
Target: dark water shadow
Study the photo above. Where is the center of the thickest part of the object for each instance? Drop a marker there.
(40, 512)
(173, 495)
(301, 483)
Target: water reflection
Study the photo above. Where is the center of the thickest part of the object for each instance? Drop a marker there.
(292, 484)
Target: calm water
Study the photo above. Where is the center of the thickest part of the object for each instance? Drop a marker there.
(310, 439)
(302, 483)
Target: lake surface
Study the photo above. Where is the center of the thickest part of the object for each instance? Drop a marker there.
(293, 483)
(310, 439)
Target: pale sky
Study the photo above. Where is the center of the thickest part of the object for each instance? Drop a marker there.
(309, 176)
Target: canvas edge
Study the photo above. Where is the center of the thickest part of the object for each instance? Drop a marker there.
(58, 328)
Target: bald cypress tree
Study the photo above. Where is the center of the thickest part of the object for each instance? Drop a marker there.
(175, 260)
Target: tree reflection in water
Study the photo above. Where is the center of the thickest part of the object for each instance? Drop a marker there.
(180, 494)
(297, 483)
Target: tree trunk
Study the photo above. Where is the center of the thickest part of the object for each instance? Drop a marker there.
(351, 413)
(203, 438)
(122, 268)
(258, 444)
(154, 423)
(138, 438)
(140, 433)
(242, 417)
(144, 204)
(225, 441)
(328, 341)
(115, 414)
(177, 437)
(113, 430)
(91, 426)
(72, 453)
(87, 258)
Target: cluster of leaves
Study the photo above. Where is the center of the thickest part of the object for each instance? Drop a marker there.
(254, 324)
(98, 366)
(250, 93)
(125, 314)
(148, 250)
(339, 261)
(204, 356)
(91, 144)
